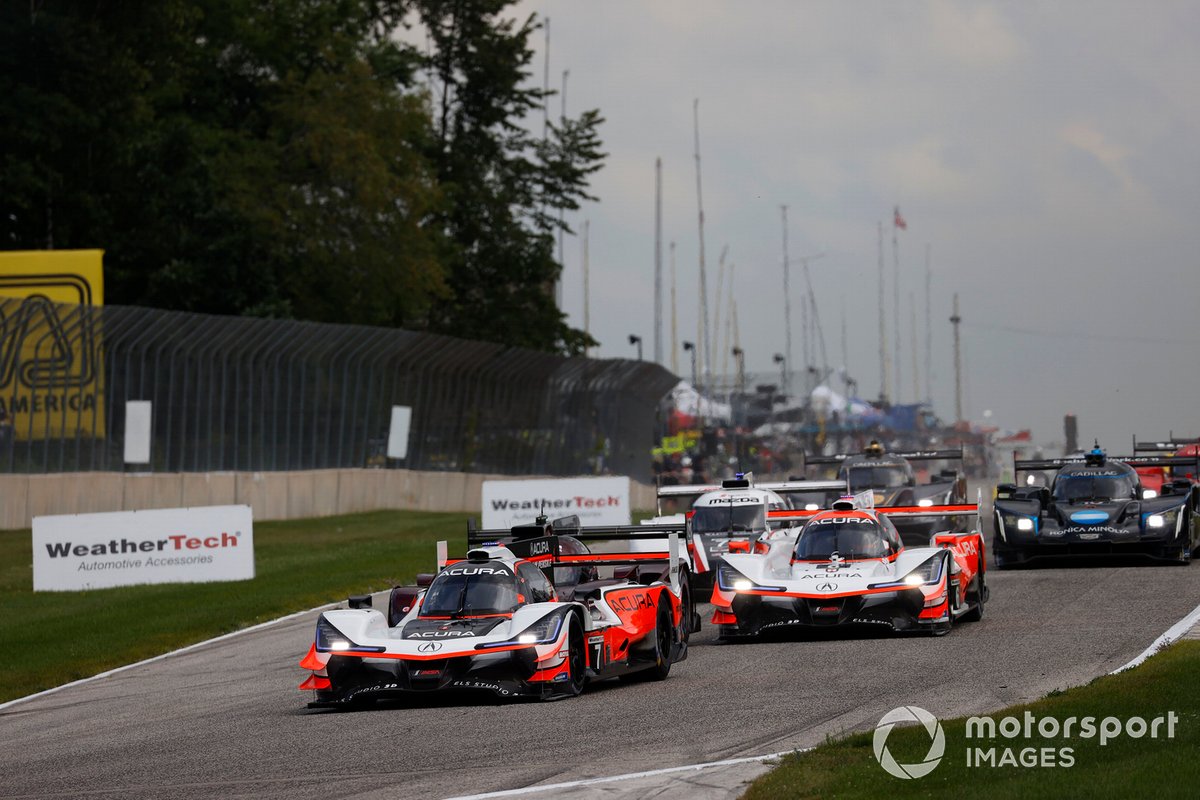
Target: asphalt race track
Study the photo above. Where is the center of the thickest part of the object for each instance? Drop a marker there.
(227, 720)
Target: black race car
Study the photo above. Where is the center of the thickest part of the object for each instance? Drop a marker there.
(891, 478)
(1096, 505)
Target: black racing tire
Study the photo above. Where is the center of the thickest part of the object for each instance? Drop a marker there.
(664, 638)
(941, 629)
(1189, 551)
(1005, 559)
(976, 612)
(576, 657)
(686, 605)
(659, 644)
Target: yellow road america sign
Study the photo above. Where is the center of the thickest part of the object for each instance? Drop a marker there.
(51, 381)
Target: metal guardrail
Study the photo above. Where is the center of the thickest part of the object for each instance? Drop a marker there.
(237, 393)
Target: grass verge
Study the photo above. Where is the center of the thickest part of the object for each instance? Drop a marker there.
(51, 638)
(1123, 767)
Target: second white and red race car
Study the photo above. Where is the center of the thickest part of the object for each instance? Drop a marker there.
(849, 567)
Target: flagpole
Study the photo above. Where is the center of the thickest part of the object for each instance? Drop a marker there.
(884, 389)
(896, 303)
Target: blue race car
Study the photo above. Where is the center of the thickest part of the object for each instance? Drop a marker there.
(1095, 505)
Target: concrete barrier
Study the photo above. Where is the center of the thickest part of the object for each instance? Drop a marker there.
(265, 492)
(14, 501)
(152, 490)
(74, 493)
(271, 495)
(209, 489)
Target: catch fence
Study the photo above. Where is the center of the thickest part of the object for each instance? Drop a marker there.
(247, 394)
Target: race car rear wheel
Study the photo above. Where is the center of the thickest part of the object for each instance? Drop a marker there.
(664, 638)
(656, 648)
(576, 657)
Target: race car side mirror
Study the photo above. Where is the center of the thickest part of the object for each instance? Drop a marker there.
(424, 578)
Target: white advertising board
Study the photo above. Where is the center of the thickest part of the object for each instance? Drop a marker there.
(596, 501)
(397, 444)
(72, 552)
(138, 431)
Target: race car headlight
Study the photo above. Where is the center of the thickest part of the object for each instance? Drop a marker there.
(924, 502)
(331, 640)
(544, 631)
(1017, 522)
(730, 580)
(1163, 519)
(928, 574)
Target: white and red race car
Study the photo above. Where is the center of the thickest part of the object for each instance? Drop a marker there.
(523, 615)
(849, 566)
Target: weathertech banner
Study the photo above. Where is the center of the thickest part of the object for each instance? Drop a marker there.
(596, 501)
(72, 552)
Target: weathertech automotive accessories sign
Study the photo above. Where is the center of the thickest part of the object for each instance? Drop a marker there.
(173, 545)
(596, 501)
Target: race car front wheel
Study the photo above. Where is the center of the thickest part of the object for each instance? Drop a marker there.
(980, 596)
(690, 618)
(576, 657)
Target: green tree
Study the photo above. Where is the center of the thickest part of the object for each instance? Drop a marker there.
(287, 159)
(504, 186)
(230, 156)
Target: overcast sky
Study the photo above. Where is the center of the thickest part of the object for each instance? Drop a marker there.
(1044, 152)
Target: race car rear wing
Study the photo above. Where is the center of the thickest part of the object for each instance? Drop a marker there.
(957, 510)
(915, 455)
(542, 546)
(510, 536)
(810, 493)
(1050, 464)
(1166, 446)
(820, 493)
(685, 492)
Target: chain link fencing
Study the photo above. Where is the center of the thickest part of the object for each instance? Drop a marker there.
(247, 394)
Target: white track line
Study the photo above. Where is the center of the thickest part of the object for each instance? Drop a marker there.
(151, 660)
(632, 775)
(1174, 632)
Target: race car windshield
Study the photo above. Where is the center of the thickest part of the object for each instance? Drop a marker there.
(858, 538)
(1081, 488)
(464, 592)
(729, 519)
(861, 478)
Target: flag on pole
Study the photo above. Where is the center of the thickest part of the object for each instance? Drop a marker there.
(898, 221)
